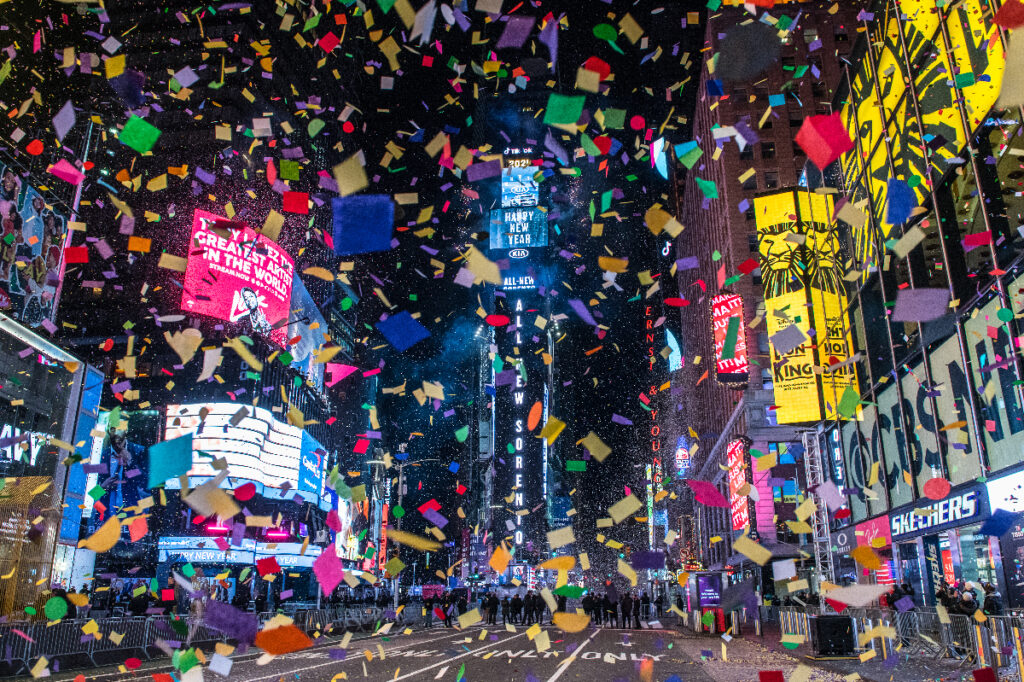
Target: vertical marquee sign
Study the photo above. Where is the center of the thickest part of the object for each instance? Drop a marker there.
(518, 234)
(737, 477)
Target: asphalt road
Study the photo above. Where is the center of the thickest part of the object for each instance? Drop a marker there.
(480, 653)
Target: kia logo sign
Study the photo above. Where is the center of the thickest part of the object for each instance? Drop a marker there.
(518, 253)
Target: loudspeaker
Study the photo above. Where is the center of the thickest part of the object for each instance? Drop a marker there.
(833, 635)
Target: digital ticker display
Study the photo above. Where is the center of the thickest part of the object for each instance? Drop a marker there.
(518, 228)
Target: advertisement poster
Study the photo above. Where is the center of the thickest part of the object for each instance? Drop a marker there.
(874, 533)
(731, 363)
(308, 325)
(31, 244)
(240, 277)
(800, 269)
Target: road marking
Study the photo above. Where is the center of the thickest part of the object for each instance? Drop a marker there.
(453, 658)
(572, 658)
(440, 672)
(347, 659)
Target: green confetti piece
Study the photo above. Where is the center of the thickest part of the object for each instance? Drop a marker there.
(139, 134)
(461, 434)
(398, 512)
(575, 465)
(55, 608)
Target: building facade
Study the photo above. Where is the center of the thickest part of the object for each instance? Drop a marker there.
(743, 146)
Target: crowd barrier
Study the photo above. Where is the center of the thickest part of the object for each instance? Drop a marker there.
(84, 641)
(996, 641)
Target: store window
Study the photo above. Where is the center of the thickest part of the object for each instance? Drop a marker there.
(771, 179)
(979, 555)
(767, 150)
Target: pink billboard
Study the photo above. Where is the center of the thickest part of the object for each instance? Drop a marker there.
(874, 533)
(737, 477)
(238, 276)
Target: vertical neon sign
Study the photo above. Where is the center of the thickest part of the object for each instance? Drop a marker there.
(517, 395)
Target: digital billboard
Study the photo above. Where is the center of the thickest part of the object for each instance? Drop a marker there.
(257, 447)
(803, 284)
(518, 228)
(518, 187)
(308, 326)
(731, 363)
(238, 275)
(737, 477)
(682, 457)
(31, 251)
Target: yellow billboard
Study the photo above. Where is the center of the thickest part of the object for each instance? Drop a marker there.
(803, 286)
(878, 109)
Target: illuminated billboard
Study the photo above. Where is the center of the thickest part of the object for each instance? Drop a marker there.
(731, 363)
(31, 251)
(518, 228)
(682, 457)
(237, 275)
(803, 287)
(737, 477)
(968, 46)
(257, 447)
(518, 187)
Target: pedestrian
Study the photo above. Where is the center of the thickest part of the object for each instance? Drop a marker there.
(493, 610)
(645, 606)
(637, 605)
(428, 611)
(517, 607)
(626, 607)
(968, 604)
(505, 606)
(528, 607)
(993, 604)
(597, 607)
(588, 606)
(611, 612)
(563, 601)
(659, 604)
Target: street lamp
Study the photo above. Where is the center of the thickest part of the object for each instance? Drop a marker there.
(401, 494)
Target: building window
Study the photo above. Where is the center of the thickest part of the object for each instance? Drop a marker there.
(747, 153)
(767, 150)
(749, 215)
(767, 379)
(841, 36)
(818, 89)
(740, 94)
(795, 122)
(789, 61)
(771, 179)
(810, 35)
(752, 237)
(761, 91)
(768, 125)
(751, 182)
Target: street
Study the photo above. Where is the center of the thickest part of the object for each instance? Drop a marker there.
(495, 654)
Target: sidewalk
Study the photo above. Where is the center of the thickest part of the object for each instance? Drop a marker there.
(900, 666)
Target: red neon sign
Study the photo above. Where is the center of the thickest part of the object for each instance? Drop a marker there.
(734, 456)
(726, 321)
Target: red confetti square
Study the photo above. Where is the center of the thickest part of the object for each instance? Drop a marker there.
(76, 254)
(167, 594)
(771, 676)
(328, 42)
(361, 445)
(984, 675)
(268, 566)
(824, 139)
(461, 489)
(748, 266)
(296, 202)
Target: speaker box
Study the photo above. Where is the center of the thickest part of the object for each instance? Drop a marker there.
(833, 635)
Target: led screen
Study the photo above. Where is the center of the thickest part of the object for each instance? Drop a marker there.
(518, 228)
(257, 447)
(238, 275)
(518, 187)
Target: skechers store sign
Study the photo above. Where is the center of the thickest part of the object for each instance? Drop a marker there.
(959, 508)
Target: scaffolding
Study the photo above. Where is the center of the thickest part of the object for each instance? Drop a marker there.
(814, 468)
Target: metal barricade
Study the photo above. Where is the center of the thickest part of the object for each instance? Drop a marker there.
(958, 638)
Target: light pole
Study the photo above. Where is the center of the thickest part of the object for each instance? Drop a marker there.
(401, 495)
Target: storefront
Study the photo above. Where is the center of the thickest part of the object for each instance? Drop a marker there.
(939, 542)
